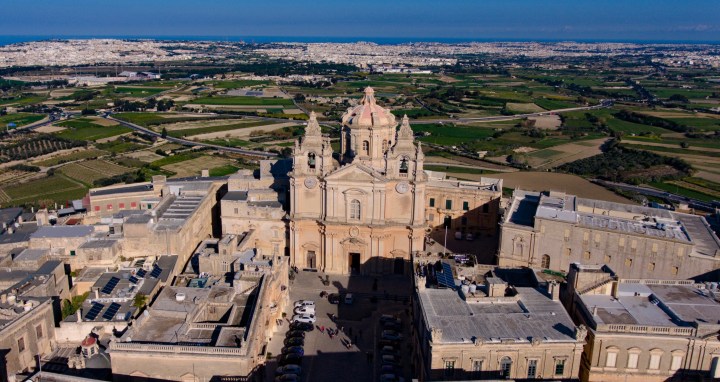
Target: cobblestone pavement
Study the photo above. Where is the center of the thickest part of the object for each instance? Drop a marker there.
(332, 359)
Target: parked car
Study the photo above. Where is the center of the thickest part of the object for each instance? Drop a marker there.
(288, 369)
(391, 326)
(389, 350)
(294, 341)
(309, 318)
(389, 318)
(300, 303)
(387, 369)
(334, 298)
(293, 349)
(304, 326)
(469, 237)
(290, 359)
(307, 309)
(390, 359)
(287, 378)
(391, 377)
(295, 333)
(391, 335)
(458, 235)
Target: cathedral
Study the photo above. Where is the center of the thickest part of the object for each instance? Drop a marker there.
(368, 208)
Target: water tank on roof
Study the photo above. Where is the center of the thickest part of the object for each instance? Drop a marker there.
(180, 297)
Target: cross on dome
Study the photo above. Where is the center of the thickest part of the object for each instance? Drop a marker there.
(369, 98)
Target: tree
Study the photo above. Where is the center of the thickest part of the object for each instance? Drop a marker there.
(679, 98)
(139, 301)
(163, 134)
(684, 145)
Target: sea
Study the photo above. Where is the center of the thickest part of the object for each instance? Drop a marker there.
(8, 40)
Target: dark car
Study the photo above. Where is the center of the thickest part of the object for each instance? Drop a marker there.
(293, 349)
(391, 326)
(304, 326)
(287, 378)
(294, 341)
(334, 298)
(295, 333)
(290, 359)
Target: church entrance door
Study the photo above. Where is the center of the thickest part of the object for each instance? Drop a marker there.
(354, 259)
(311, 260)
(399, 266)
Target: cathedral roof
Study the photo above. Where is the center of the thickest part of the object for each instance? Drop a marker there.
(368, 113)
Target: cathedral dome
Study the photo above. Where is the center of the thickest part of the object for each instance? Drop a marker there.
(368, 113)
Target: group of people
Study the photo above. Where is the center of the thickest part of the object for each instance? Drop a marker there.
(334, 332)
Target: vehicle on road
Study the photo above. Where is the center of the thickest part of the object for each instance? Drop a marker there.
(304, 326)
(334, 298)
(288, 369)
(295, 333)
(309, 318)
(391, 335)
(294, 341)
(293, 349)
(290, 359)
(300, 303)
(305, 310)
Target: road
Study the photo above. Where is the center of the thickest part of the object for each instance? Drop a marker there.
(186, 142)
(692, 203)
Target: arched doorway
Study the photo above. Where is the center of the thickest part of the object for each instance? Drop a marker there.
(311, 260)
(505, 367)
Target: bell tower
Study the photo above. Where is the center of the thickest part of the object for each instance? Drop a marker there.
(313, 153)
(405, 160)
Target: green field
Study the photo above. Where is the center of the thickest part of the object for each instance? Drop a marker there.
(223, 170)
(458, 170)
(83, 154)
(83, 129)
(675, 189)
(229, 142)
(139, 92)
(634, 128)
(20, 119)
(147, 119)
(57, 188)
(551, 104)
(119, 146)
(234, 84)
(451, 134)
(177, 158)
(249, 101)
(25, 99)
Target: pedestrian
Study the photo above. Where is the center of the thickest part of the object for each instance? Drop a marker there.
(322, 329)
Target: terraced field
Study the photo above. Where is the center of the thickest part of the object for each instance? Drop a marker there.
(88, 172)
(57, 188)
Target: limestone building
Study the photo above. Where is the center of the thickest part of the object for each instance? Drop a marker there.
(553, 230)
(368, 208)
(645, 329)
(499, 324)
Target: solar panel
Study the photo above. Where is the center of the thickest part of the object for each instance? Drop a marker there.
(446, 278)
(141, 273)
(155, 272)
(133, 279)
(111, 284)
(111, 311)
(94, 311)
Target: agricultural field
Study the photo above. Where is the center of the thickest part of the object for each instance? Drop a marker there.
(138, 91)
(19, 119)
(234, 84)
(77, 155)
(87, 129)
(147, 119)
(36, 145)
(242, 101)
(194, 166)
(561, 154)
(89, 171)
(41, 192)
(542, 181)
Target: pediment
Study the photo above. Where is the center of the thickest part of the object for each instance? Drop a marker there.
(354, 173)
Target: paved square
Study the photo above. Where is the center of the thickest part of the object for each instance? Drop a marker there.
(331, 359)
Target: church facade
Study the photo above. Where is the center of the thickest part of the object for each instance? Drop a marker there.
(366, 209)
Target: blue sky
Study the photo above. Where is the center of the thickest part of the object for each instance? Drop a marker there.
(482, 19)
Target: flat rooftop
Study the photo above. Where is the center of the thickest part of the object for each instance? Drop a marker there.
(654, 305)
(531, 314)
(61, 231)
(142, 187)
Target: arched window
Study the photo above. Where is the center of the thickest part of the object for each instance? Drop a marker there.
(311, 160)
(404, 165)
(385, 145)
(355, 209)
(505, 367)
(545, 262)
(366, 147)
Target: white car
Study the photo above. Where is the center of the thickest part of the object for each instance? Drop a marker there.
(309, 318)
(307, 309)
(304, 303)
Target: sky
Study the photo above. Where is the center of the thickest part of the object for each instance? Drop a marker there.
(613, 20)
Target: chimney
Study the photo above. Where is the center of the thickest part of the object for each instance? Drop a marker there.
(79, 315)
(594, 310)
(554, 290)
(97, 293)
